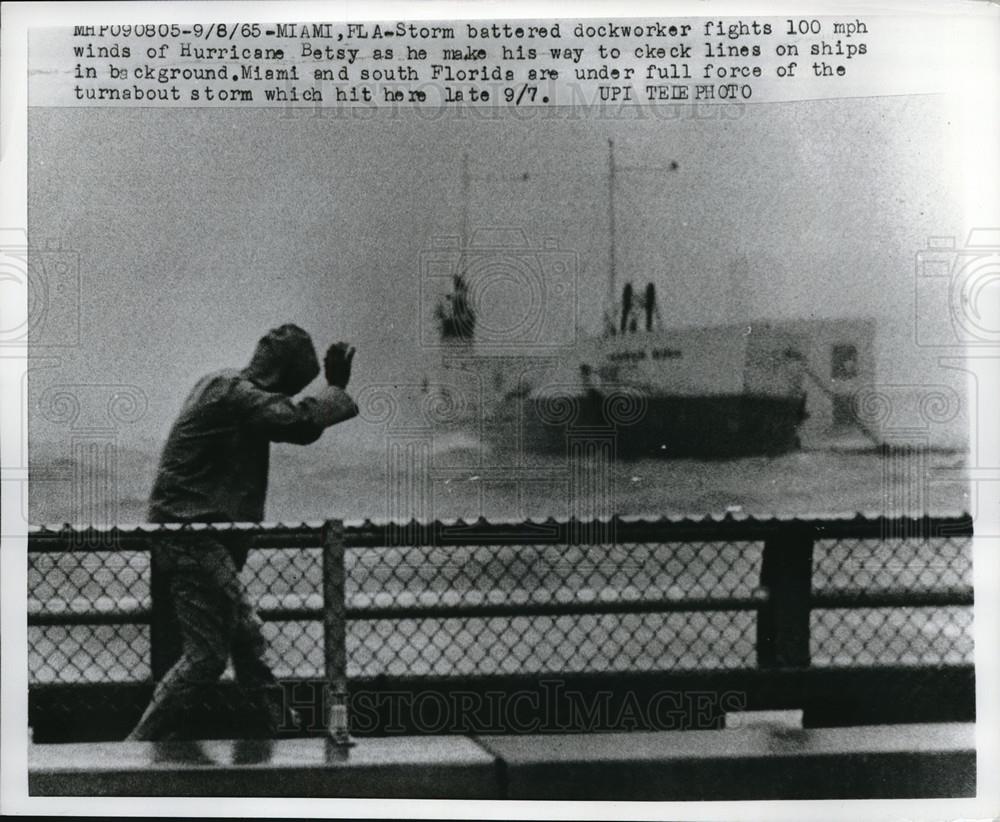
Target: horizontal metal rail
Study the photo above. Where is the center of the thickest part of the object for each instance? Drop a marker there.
(845, 599)
(529, 609)
(141, 616)
(664, 529)
(52, 544)
(889, 598)
(457, 611)
(367, 534)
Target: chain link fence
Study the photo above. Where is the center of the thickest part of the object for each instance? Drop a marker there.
(936, 634)
(595, 585)
(486, 600)
(289, 580)
(88, 615)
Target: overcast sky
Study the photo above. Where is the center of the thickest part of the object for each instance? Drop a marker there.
(198, 230)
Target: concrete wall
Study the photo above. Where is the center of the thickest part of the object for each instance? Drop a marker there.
(903, 761)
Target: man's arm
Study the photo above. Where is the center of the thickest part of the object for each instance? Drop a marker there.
(281, 419)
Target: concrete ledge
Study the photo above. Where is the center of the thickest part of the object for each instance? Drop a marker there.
(825, 763)
(874, 762)
(407, 767)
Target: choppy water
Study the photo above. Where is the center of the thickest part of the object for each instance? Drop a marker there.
(314, 483)
(802, 483)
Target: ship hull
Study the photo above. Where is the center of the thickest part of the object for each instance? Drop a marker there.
(664, 426)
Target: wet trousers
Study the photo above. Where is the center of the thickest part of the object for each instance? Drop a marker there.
(216, 622)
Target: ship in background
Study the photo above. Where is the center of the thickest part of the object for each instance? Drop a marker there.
(720, 391)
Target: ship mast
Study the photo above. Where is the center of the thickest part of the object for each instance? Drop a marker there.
(464, 239)
(612, 284)
(613, 169)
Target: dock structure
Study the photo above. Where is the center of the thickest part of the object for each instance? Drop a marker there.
(507, 646)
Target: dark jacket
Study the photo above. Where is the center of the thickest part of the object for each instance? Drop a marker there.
(214, 465)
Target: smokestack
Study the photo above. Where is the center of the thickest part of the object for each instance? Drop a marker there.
(626, 305)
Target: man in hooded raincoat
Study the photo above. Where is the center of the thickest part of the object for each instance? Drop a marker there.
(214, 468)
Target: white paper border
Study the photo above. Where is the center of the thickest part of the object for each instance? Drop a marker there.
(977, 55)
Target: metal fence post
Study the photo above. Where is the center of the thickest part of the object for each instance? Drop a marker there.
(783, 622)
(164, 636)
(335, 633)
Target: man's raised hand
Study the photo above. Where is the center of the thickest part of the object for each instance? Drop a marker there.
(337, 364)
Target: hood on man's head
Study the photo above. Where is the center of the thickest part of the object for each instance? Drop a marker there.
(285, 360)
